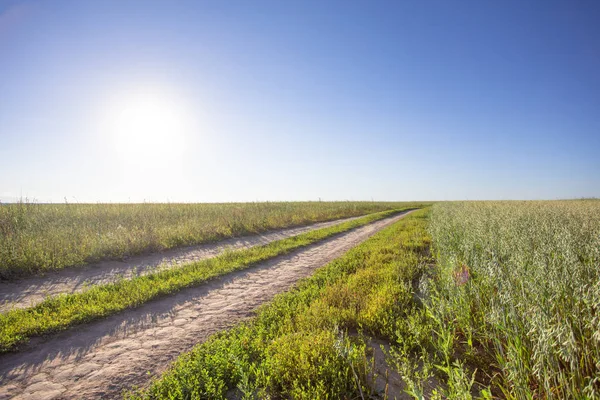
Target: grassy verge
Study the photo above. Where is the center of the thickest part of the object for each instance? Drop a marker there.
(303, 343)
(64, 311)
(40, 237)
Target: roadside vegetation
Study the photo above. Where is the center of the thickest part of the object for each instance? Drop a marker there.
(40, 237)
(311, 342)
(64, 311)
(471, 299)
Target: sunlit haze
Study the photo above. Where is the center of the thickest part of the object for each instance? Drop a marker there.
(196, 101)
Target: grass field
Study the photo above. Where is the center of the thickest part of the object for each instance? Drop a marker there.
(473, 300)
(64, 311)
(41, 237)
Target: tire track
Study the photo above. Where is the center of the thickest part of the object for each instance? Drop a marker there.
(30, 291)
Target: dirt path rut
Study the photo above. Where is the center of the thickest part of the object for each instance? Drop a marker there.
(27, 292)
(100, 359)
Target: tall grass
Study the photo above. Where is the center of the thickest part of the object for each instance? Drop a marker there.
(40, 237)
(518, 286)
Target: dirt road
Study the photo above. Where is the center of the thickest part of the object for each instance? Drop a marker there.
(101, 359)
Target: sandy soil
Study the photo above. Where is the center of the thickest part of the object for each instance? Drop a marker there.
(27, 292)
(100, 359)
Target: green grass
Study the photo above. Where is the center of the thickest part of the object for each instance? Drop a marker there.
(304, 344)
(64, 311)
(40, 237)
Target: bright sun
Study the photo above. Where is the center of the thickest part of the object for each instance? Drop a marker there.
(148, 129)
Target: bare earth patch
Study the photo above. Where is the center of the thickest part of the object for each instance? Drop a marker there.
(103, 358)
(30, 291)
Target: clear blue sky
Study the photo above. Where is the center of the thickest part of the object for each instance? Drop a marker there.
(299, 100)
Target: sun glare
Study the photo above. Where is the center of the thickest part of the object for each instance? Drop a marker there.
(148, 129)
